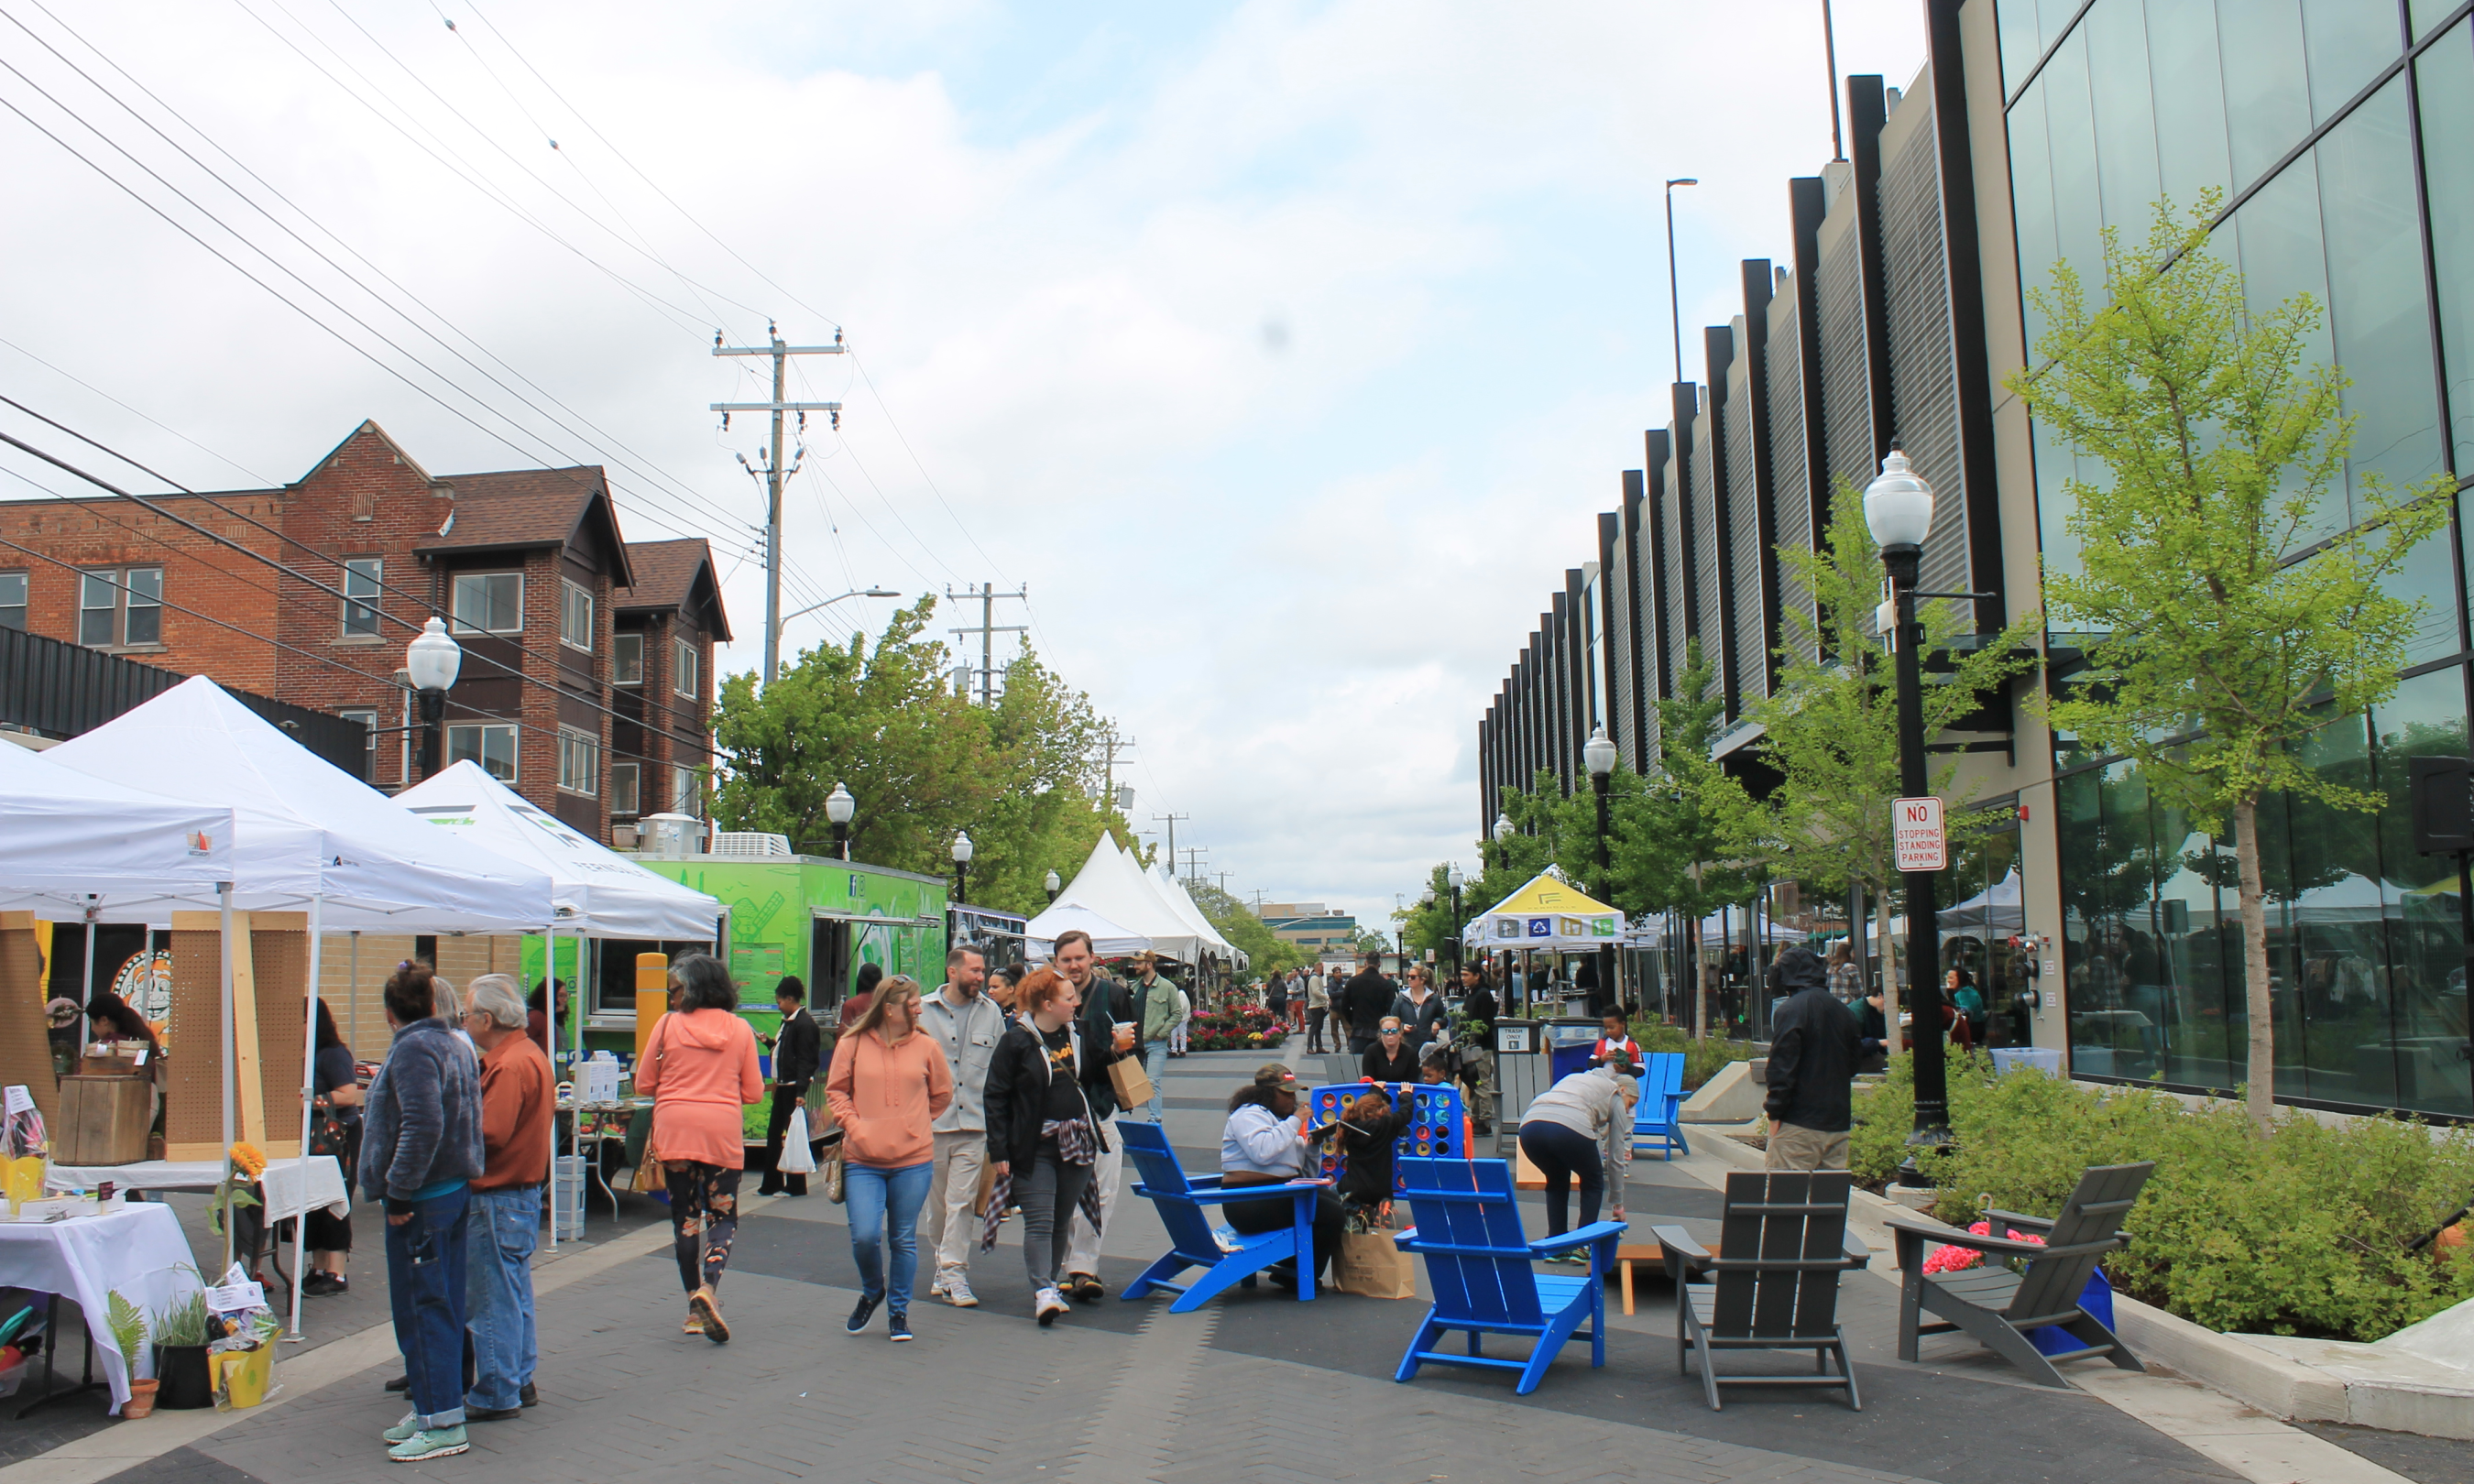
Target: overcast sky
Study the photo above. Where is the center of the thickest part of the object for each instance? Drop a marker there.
(1286, 352)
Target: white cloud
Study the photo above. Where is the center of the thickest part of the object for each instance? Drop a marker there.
(1294, 570)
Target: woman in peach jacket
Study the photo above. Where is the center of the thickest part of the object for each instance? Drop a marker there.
(888, 1083)
(699, 1068)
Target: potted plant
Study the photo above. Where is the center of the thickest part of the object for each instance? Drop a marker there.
(127, 1322)
(180, 1356)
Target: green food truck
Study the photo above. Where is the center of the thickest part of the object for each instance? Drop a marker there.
(806, 915)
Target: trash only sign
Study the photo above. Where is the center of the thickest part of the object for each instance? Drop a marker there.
(1916, 834)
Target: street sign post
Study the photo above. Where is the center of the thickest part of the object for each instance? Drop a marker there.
(1917, 836)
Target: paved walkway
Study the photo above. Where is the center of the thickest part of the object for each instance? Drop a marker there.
(1257, 1387)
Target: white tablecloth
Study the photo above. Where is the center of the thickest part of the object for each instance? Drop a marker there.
(138, 1251)
(289, 1186)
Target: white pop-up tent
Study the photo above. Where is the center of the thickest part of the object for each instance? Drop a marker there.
(1114, 885)
(1181, 902)
(74, 843)
(1107, 938)
(306, 834)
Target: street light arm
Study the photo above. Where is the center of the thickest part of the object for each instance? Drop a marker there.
(857, 592)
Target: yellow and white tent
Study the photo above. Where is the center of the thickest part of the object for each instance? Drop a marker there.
(1547, 912)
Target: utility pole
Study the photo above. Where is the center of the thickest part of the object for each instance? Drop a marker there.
(987, 631)
(1172, 836)
(1110, 745)
(1223, 876)
(774, 476)
(1191, 866)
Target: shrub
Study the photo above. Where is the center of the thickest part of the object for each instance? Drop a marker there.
(2304, 1233)
(1703, 1060)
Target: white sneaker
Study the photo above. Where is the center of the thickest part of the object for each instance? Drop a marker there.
(955, 1289)
(936, 1288)
(1048, 1306)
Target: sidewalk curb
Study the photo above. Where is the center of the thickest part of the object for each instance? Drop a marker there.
(124, 1445)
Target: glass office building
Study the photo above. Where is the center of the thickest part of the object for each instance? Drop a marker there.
(2340, 136)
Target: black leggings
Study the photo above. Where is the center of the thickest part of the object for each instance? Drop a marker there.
(1254, 1218)
(1562, 1154)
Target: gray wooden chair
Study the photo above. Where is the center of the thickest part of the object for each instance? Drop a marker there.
(1782, 1241)
(1995, 1305)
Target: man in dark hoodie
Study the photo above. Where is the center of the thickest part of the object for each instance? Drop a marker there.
(1812, 1067)
(1364, 1003)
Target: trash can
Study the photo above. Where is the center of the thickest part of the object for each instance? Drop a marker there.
(1569, 1041)
(566, 1197)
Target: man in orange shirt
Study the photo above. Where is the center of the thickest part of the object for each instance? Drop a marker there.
(502, 1217)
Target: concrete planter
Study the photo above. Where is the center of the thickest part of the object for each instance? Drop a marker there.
(2307, 1381)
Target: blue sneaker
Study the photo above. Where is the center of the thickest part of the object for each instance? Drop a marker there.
(430, 1443)
(860, 1315)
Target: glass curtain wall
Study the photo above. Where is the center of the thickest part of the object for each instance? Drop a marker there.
(2341, 133)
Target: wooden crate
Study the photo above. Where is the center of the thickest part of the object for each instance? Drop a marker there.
(103, 1120)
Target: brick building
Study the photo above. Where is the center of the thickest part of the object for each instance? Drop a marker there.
(588, 662)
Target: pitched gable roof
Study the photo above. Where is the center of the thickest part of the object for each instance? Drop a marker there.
(515, 510)
(671, 577)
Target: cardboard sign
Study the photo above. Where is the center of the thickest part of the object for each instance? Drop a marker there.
(1917, 836)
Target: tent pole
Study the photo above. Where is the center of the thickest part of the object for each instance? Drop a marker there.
(85, 993)
(353, 1035)
(549, 1008)
(308, 1090)
(230, 1051)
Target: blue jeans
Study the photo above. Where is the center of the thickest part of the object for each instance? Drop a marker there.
(499, 1230)
(1156, 1067)
(884, 1204)
(426, 1289)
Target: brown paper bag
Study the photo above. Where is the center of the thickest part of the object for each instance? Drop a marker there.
(1133, 1085)
(988, 1188)
(1370, 1264)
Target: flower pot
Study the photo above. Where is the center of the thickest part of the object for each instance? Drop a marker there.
(141, 1401)
(181, 1374)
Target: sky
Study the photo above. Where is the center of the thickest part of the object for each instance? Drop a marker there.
(1284, 352)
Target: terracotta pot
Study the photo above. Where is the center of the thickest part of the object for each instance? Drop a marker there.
(141, 1401)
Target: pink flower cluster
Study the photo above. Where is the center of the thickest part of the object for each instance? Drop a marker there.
(1955, 1260)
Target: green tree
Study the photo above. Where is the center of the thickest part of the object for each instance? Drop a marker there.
(922, 761)
(1686, 852)
(2222, 640)
(1830, 728)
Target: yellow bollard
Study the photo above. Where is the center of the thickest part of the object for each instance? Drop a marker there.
(652, 996)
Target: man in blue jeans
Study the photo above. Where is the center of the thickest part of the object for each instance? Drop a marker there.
(1161, 1007)
(504, 1217)
(421, 1147)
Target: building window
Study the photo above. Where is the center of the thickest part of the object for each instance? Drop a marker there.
(687, 792)
(367, 718)
(121, 608)
(489, 602)
(579, 762)
(683, 678)
(574, 616)
(627, 660)
(361, 578)
(12, 600)
(623, 787)
(492, 746)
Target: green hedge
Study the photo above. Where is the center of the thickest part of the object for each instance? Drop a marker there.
(2304, 1233)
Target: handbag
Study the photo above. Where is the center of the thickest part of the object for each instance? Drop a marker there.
(329, 1133)
(831, 1173)
(652, 1175)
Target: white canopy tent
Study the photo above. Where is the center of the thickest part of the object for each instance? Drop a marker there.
(1995, 910)
(305, 834)
(1113, 885)
(72, 843)
(1107, 938)
(1181, 901)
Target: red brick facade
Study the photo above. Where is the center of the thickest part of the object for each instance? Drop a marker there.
(369, 500)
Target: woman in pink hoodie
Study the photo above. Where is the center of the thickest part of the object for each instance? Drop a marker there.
(886, 1088)
(699, 1068)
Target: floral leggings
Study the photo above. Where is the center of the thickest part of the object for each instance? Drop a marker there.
(704, 1217)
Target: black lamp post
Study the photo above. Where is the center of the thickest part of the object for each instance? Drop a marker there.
(1053, 885)
(1503, 855)
(1598, 755)
(1453, 876)
(961, 866)
(1897, 510)
(430, 662)
(839, 806)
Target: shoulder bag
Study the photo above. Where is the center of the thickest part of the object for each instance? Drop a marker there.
(651, 1174)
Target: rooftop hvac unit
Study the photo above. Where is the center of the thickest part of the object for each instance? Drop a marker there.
(749, 841)
(670, 836)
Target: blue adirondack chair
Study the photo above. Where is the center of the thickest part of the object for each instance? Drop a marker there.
(1478, 1264)
(1658, 1118)
(1180, 1199)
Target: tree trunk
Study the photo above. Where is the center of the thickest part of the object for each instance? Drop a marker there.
(2259, 1097)
(1700, 978)
(1893, 1037)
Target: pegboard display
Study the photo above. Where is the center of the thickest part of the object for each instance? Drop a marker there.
(278, 950)
(25, 1039)
(1435, 1130)
(193, 1091)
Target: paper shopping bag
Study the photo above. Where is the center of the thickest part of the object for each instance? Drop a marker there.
(1368, 1263)
(1132, 1084)
(988, 1188)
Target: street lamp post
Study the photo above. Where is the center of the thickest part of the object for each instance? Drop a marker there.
(1674, 310)
(1053, 885)
(1897, 510)
(1598, 755)
(430, 662)
(1453, 876)
(1503, 853)
(784, 621)
(961, 866)
(839, 806)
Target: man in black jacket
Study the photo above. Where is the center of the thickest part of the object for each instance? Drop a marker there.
(1105, 1003)
(1811, 1068)
(1364, 1002)
(797, 1049)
